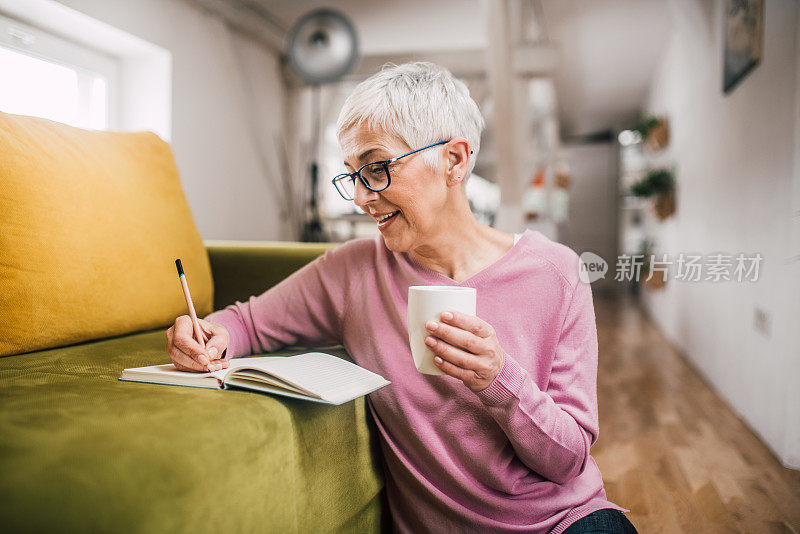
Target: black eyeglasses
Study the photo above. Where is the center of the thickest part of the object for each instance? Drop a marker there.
(374, 176)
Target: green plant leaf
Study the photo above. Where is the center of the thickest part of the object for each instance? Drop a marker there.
(655, 182)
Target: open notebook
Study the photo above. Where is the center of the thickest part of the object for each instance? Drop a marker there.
(313, 376)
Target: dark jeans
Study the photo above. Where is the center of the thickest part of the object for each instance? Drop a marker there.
(605, 520)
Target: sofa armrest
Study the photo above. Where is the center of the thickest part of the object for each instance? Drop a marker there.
(245, 268)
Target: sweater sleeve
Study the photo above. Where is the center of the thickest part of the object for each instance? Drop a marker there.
(305, 309)
(551, 431)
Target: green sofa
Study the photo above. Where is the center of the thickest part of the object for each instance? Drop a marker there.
(81, 451)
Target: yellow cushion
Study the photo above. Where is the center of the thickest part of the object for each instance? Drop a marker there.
(90, 225)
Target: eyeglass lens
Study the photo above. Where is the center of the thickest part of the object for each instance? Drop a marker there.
(375, 174)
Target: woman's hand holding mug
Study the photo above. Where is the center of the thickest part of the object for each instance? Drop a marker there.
(466, 347)
(187, 354)
(448, 338)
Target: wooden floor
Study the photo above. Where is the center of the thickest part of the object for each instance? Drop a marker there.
(670, 449)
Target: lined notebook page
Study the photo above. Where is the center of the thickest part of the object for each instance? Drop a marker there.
(326, 375)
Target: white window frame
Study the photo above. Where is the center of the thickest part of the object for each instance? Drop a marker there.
(41, 44)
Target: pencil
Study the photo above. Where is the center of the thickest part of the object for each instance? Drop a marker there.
(198, 332)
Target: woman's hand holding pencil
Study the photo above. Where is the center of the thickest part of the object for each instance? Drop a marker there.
(194, 344)
(187, 354)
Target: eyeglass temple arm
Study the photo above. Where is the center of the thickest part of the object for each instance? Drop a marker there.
(417, 150)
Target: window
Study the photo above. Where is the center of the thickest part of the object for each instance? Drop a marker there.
(46, 76)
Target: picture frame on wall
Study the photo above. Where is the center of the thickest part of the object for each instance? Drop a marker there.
(744, 40)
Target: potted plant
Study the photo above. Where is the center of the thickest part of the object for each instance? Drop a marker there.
(654, 131)
(658, 183)
(645, 124)
(657, 280)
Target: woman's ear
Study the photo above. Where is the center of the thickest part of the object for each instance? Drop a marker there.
(457, 151)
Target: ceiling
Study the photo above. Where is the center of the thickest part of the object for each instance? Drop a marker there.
(607, 49)
(386, 26)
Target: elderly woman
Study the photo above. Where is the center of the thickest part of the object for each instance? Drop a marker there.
(500, 442)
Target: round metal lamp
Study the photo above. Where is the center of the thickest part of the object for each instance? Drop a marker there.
(322, 46)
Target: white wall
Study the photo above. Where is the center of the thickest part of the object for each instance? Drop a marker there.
(224, 118)
(592, 223)
(737, 159)
(792, 441)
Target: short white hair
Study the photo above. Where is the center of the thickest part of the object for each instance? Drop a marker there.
(421, 103)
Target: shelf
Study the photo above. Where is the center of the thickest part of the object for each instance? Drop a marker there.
(630, 202)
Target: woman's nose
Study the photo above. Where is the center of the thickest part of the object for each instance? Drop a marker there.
(363, 195)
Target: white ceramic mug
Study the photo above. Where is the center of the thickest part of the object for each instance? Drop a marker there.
(426, 303)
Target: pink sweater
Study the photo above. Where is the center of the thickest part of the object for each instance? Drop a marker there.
(511, 458)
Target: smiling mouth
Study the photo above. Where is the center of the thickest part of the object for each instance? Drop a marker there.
(387, 217)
